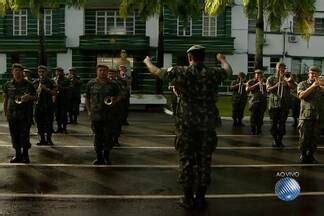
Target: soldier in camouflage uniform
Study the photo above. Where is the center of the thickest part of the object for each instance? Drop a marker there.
(258, 101)
(117, 109)
(278, 87)
(44, 108)
(75, 96)
(19, 95)
(239, 99)
(100, 98)
(294, 102)
(126, 86)
(309, 92)
(195, 118)
(61, 99)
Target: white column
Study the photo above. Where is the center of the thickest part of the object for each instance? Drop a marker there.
(74, 25)
(3, 63)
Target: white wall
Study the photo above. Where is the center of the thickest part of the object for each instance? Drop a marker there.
(74, 26)
(152, 30)
(64, 60)
(238, 62)
(319, 5)
(167, 61)
(3, 63)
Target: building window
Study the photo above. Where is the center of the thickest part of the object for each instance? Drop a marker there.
(209, 26)
(251, 24)
(319, 26)
(318, 63)
(109, 22)
(184, 28)
(111, 61)
(47, 22)
(273, 64)
(20, 22)
(296, 66)
(251, 65)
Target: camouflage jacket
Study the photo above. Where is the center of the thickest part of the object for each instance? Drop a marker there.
(239, 92)
(310, 106)
(12, 90)
(44, 100)
(258, 95)
(96, 92)
(280, 96)
(197, 88)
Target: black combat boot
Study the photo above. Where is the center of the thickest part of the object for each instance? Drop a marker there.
(240, 123)
(311, 159)
(188, 200)
(303, 158)
(106, 155)
(235, 124)
(200, 200)
(42, 139)
(99, 160)
(17, 158)
(116, 141)
(25, 156)
(49, 139)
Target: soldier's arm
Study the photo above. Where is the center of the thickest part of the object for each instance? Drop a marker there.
(234, 86)
(302, 94)
(271, 87)
(87, 99)
(250, 87)
(154, 70)
(225, 65)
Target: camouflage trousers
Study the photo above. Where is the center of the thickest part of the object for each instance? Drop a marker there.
(278, 124)
(195, 148)
(308, 135)
(257, 114)
(238, 107)
(19, 132)
(102, 135)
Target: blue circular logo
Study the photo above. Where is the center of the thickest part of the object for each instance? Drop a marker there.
(287, 189)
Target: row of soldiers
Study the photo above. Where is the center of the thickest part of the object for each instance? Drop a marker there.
(44, 97)
(281, 93)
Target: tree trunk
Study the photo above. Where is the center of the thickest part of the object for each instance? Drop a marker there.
(160, 50)
(259, 32)
(41, 52)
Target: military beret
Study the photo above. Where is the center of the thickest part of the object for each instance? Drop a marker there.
(16, 65)
(59, 69)
(42, 67)
(102, 66)
(196, 48)
(314, 69)
(258, 71)
(281, 63)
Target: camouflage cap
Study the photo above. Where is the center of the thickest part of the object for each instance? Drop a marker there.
(258, 71)
(314, 69)
(59, 69)
(102, 66)
(196, 48)
(27, 70)
(43, 67)
(17, 65)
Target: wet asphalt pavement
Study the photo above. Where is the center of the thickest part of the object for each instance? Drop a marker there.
(142, 179)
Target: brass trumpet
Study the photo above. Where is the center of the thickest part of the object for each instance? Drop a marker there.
(108, 101)
(18, 99)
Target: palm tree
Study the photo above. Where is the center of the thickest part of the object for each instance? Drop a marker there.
(275, 11)
(148, 8)
(37, 8)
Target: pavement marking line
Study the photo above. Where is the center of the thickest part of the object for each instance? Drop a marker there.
(167, 147)
(160, 135)
(150, 197)
(157, 166)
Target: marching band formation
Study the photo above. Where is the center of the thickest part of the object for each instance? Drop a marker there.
(44, 99)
